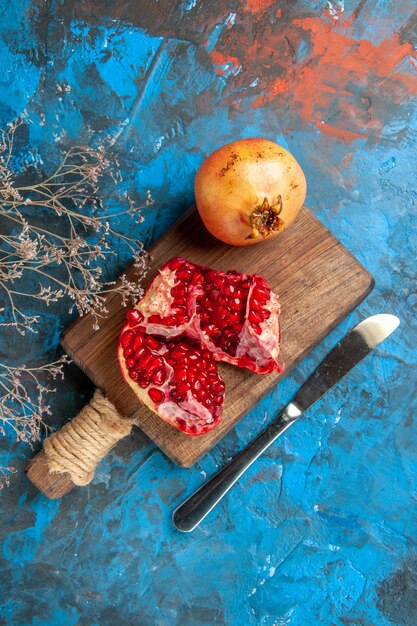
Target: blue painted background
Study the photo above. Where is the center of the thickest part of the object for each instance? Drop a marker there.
(323, 528)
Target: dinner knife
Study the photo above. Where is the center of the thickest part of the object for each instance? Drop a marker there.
(354, 346)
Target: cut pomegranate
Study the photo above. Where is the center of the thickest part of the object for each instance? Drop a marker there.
(177, 380)
(190, 317)
(234, 315)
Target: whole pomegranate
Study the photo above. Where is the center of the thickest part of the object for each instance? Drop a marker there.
(249, 190)
(190, 317)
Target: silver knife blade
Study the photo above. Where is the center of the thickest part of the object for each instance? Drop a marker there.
(354, 346)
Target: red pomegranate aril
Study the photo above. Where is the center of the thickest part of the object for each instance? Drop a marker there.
(156, 395)
(127, 352)
(142, 382)
(138, 341)
(134, 375)
(219, 386)
(178, 291)
(182, 388)
(159, 377)
(154, 319)
(180, 375)
(144, 360)
(254, 317)
(126, 338)
(131, 363)
(134, 317)
(139, 353)
(169, 321)
(152, 343)
(175, 395)
(184, 274)
(155, 363)
(235, 304)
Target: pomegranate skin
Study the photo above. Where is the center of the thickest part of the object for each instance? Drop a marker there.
(249, 190)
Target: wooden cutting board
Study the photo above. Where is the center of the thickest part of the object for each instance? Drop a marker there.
(319, 282)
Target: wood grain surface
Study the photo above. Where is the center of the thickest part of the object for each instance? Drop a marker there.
(318, 281)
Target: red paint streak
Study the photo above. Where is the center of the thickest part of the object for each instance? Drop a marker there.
(328, 88)
(339, 133)
(256, 6)
(222, 60)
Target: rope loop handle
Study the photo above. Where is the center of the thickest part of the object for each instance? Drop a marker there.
(78, 447)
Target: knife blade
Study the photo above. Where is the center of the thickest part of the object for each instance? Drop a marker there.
(354, 346)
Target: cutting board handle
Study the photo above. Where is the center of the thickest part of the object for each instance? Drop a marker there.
(70, 455)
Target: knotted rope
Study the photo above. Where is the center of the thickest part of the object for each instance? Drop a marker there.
(79, 446)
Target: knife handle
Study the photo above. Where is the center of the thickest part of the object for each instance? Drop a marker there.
(193, 510)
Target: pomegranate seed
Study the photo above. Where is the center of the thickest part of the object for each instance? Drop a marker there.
(180, 375)
(219, 386)
(138, 341)
(257, 329)
(139, 353)
(146, 357)
(233, 318)
(130, 363)
(184, 274)
(152, 343)
(182, 318)
(126, 338)
(175, 395)
(134, 317)
(134, 375)
(127, 352)
(236, 304)
(265, 313)
(143, 383)
(178, 291)
(182, 388)
(254, 317)
(155, 363)
(169, 321)
(154, 319)
(159, 377)
(196, 279)
(156, 395)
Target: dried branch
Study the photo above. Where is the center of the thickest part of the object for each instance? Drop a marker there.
(64, 258)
